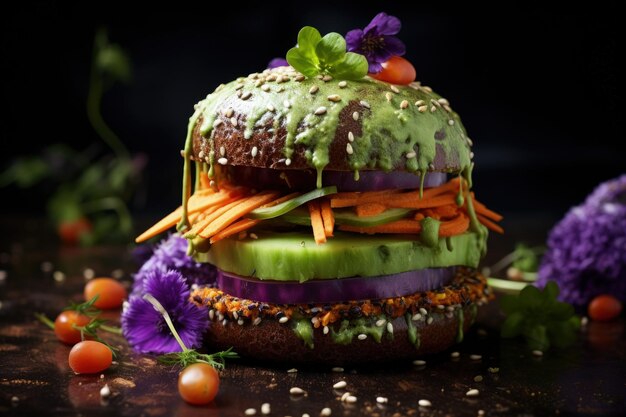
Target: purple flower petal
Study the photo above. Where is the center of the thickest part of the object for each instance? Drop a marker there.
(144, 327)
(586, 252)
(383, 24)
(394, 46)
(374, 68)
(354, 39)
(277, 62)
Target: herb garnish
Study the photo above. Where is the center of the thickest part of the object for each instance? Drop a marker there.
(315, 55)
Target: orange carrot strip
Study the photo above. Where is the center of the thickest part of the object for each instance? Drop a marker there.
(399, 226)
(237, 227)
(316, 222)
(202, 224)
(482, 209)
(242, 208)
(455, 226)
(451, 185)
(196, 203)
(412, 200)
(245, 224)
(327, 217)
(370, 209)
(490, 225)
(347, 200)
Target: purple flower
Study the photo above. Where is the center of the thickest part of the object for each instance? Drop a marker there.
(144, 327)
(376, 42)
(277, 62)
(171, 253)
(587, 250)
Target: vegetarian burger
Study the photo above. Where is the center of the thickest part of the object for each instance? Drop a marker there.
(339, 217)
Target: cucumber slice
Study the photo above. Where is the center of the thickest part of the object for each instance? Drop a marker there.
(286, 206)
(348, 217)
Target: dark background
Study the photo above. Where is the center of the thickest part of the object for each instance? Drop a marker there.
(538, 92)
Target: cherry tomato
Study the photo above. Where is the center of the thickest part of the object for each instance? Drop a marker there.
(63, 326)
(396, 70)
(111, 293)
(198, 383)
(604, 308)
(90, 357)
(70, 231)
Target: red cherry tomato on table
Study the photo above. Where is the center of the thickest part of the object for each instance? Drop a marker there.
(604, 308)
(396, 70)
(111, 293)
(64, 326)
(198, 383)
(70, 231)
(90, 357)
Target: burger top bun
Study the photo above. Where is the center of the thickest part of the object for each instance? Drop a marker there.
(282, 120)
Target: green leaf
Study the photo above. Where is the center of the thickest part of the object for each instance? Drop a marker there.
(551, 290)
(562, 333)
(113, 61)
(537, 337)
(531, 298)
(331, 48)
(512, 326)
(25, 172)
(352, 67)
(510, 303)
(526, 258)
(308, 38)
(302, 63)
(560, 311)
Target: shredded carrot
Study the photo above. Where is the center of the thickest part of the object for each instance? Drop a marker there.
(398, 226)
(237, 227)
(327, 217)
(455, 226)
(214, 214)
(482, 209)
(369, 209)
(490, 225)
(412, 200)
(196, 203)
(245, 224)
(450, 186)
(340, 200)
(243, 207)
(316, 222)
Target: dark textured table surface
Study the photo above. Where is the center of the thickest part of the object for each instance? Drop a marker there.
(586, 379)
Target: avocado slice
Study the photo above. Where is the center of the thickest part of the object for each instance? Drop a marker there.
(294, 256)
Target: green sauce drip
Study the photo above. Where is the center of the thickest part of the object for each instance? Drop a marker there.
(422, 178)
(357, 176)
(459, 335)
(475, 225)
(197, 182)
(304, 330)
(430, 232)
(459, 197)
(412, 332)
(474, 312)
(184, 221)
(449, 244)
(348, 331)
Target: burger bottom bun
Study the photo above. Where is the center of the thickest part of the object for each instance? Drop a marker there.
(275, 342)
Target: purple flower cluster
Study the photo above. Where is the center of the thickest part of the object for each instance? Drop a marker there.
(145, 328)
(171, 254)
(377, 41)
(586, 252)
(277, 62)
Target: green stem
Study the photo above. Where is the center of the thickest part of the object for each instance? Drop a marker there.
(158, 307)
(94, 99)
(45, 320)
(111, 329)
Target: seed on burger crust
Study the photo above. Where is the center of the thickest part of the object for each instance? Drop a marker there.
(380, 322)
(364, 104)
(340, 385)
(254, 152)
(388, 96)
(327, 78)
(451, 122)
(423, 311)
(351, 136)
(342, 84)
(422, 109)
(222, 151)
(257, 321)
(217, 122)
(287, 104)
(420, 103)
(288, 161)
(283, 320)
(233, 121)
(229, 112)
(326, 330)
(443, 101)
(390, 327)
(271, 108)
(296, 391)
(334, 98)
(349, 149)
(433, 109)
(410, 155)
(299, 77)
(246, 95)
(472, 393)
(394, 89)
(404, 104)
(424, 403)
(313, 89)
(320, 111)
(355, 116)
(222, 161)
(265, 88)
(429, 320)
(362, 336)
(381, 400)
